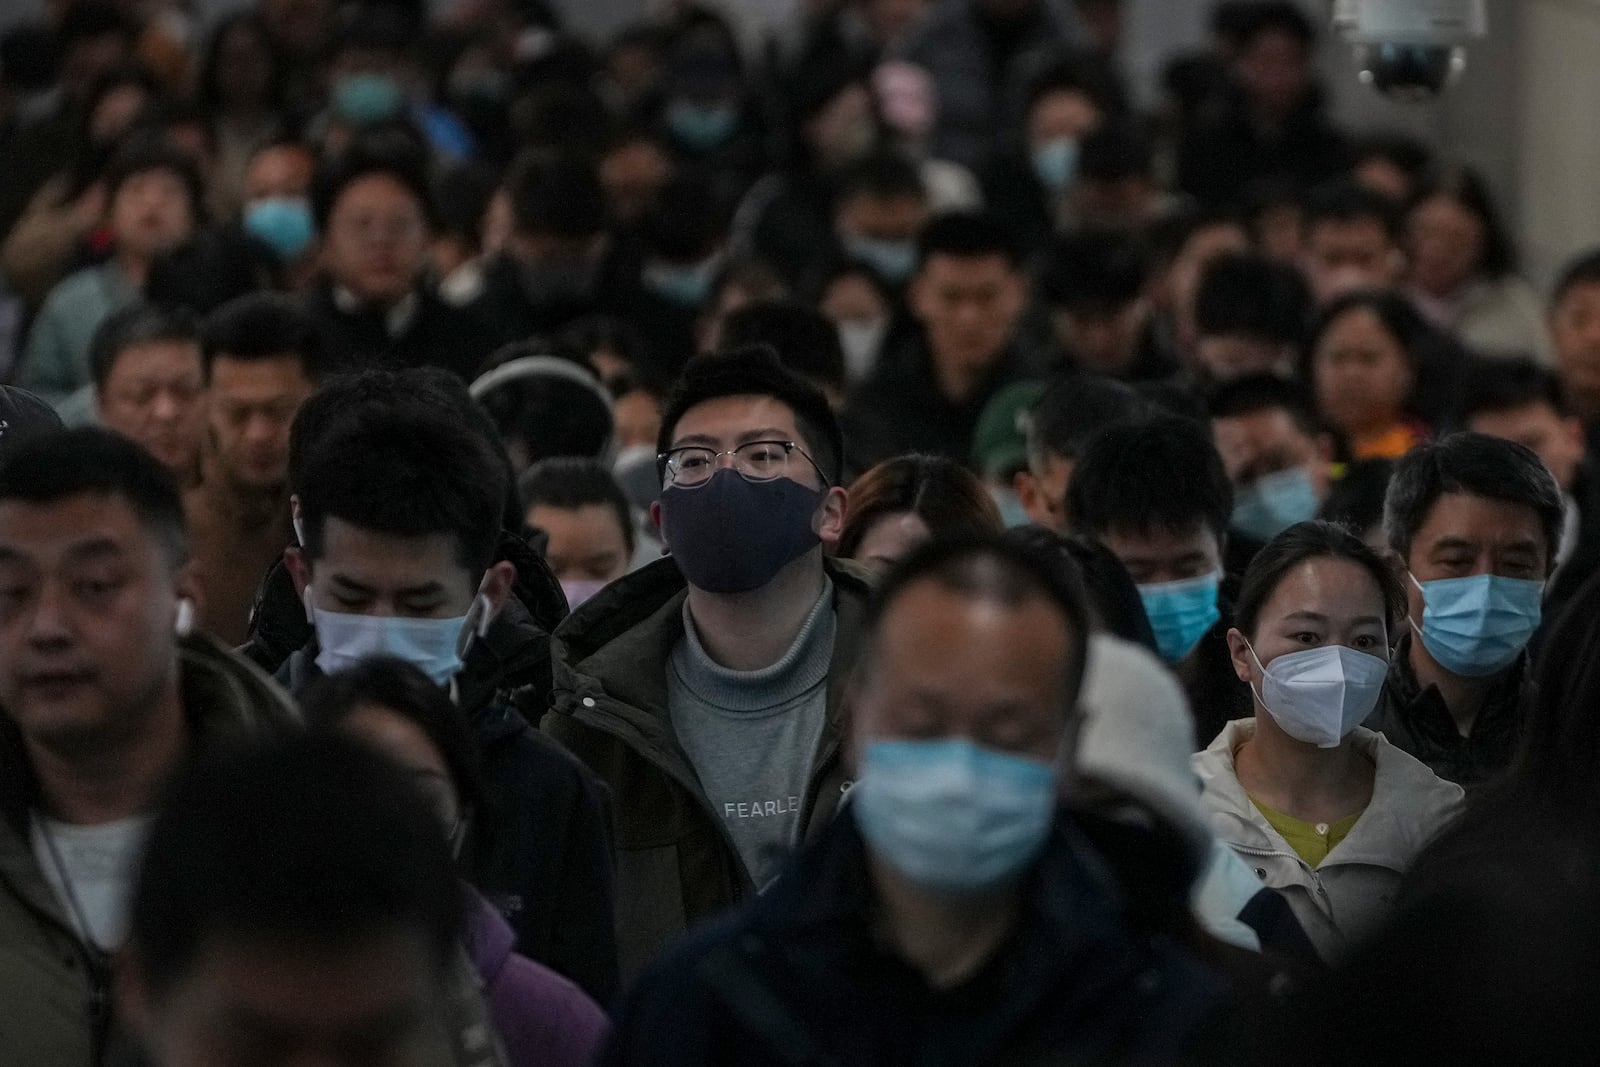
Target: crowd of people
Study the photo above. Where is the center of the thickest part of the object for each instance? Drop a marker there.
(517, 549)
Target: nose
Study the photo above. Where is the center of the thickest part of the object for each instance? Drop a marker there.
(49, 625)
(166, 406)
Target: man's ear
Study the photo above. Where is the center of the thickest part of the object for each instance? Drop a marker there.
(655, 520)
(497, 583)
(299, 569)
(187, 583)
(831, 516)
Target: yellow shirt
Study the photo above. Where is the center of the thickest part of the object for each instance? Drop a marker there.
(1313, 841)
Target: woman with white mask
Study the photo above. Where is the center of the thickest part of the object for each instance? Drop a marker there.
(1324, 811)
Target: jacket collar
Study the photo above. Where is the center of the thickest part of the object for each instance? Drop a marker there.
(1409, 803)
(1424, 708)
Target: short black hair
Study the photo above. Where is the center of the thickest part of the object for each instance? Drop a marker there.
(989, 567)
(570, 482)
(1355, 499)
(966, 235)
(397, 685)
(1112, 594)
(1073, 409)
(1265, 392)
(1345, 201)
(806, 342)
(90, 19)
(51, 467)
(756, 370)
(1143, 475)
(563, 198)
(1400, 150)
(882, 175)
(1075, 74)
(1582, 270)
(1115, 151)
(1307, 541)
(1490, 385)
(263, 326)
(1477, 465)
(405, 471)
(372, 154)
(135, 325)
(686, 225)
(1253, 296)
(559, 408)
(143, 154)
(1243, 22)
(1094, 271)
(210, 268)
(301, 841)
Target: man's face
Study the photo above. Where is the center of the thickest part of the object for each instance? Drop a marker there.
(1465, 535)
(1275, 71)
(361, 572)
(585, 542)
(1266, 442)
(88, 603)
(250, 406)
(1575, 329)
(1042, 491)
(969, 307)
(377, 239)
(151, 212)
(155, 396)
(1558, 440)
(1101, 340)
(372, 1001)
(945, 665)
(1062, 114)
(632, 174)
(1159, 555)
(1345, 255)
(279, 171)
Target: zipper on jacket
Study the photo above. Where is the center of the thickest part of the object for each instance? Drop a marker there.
(1316, 879)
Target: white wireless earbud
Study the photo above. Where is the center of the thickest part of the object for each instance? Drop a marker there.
(183, 625)
(485, 614)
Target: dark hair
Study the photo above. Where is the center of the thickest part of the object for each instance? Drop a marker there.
(94, 18)
(1343, 201)
(882, 175)
(1399, 318)
(1475, 464)
(30, 56)
(1074, 408)
(1113, 596)
(301, 841)
(1114, 151)
(569, 482)
(1306, 541)
(51, 467)
(135, 325)
(1494, 385)
(989, 567)
(1264, 392)
(966, 235)
(1466, 188)
(548, 415)
(1142, 475)
(1584, 270)
(1243, 23)
(1075, 74)
(686, 225)
(1253, 296)
(756, 370)
(942, 493)
(263, 326)
(403, 470)
(461, 198)
(1092, 270)
(806, 342)
(215, 265)
(564, 198)
(395, 685)
(209, 87)
(372, 154)
(141, 155)
(1355, 499)
(1400, 150)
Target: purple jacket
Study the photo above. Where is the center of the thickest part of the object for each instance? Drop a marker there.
(543, 1019)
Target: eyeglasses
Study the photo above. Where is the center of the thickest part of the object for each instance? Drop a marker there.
(756, 461)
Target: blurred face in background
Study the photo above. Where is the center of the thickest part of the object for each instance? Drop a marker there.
(151, 212)
(1344, 255)
(377, 239)
(1361, 374)
(1575, 329)
(1446, 244)
(969, 307)
(250, 406)
(155, 396)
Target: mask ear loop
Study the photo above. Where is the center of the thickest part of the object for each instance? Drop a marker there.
(1254, 692)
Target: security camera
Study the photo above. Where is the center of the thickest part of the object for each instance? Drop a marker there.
(1411, 49)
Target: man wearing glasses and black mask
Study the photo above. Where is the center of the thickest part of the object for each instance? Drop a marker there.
(706, 689)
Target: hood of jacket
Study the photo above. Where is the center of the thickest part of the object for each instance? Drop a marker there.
(1409, 803)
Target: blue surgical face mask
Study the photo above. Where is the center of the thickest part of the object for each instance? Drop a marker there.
(1478, 625)
(433, 646)
(952, 817)
(894, 260)
(1055, 163)
(702, 126)
(1012, 513)
(283, 223)
(686, 285)
(1180, 613)
(1274, 502)
(368, 99)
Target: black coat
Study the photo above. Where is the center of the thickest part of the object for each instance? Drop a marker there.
(798, 978)
(437, 335)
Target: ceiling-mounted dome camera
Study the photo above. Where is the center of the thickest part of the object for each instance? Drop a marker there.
(1411, 49)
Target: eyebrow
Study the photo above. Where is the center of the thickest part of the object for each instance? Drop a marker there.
(1315, 616)
(705, 440)
(426, 589)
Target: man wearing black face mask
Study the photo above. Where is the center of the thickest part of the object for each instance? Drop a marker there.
(706, 688)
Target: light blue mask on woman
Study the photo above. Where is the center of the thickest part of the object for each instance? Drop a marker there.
(1180, 613)
(953, 817)
(1478, 625)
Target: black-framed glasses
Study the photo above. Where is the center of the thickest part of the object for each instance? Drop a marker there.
(692, 466)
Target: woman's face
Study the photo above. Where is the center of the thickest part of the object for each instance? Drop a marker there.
(1446, 244)
(1362, 375)
(851, 298)
(889, 538)
(1317, 603)
(400, 740)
